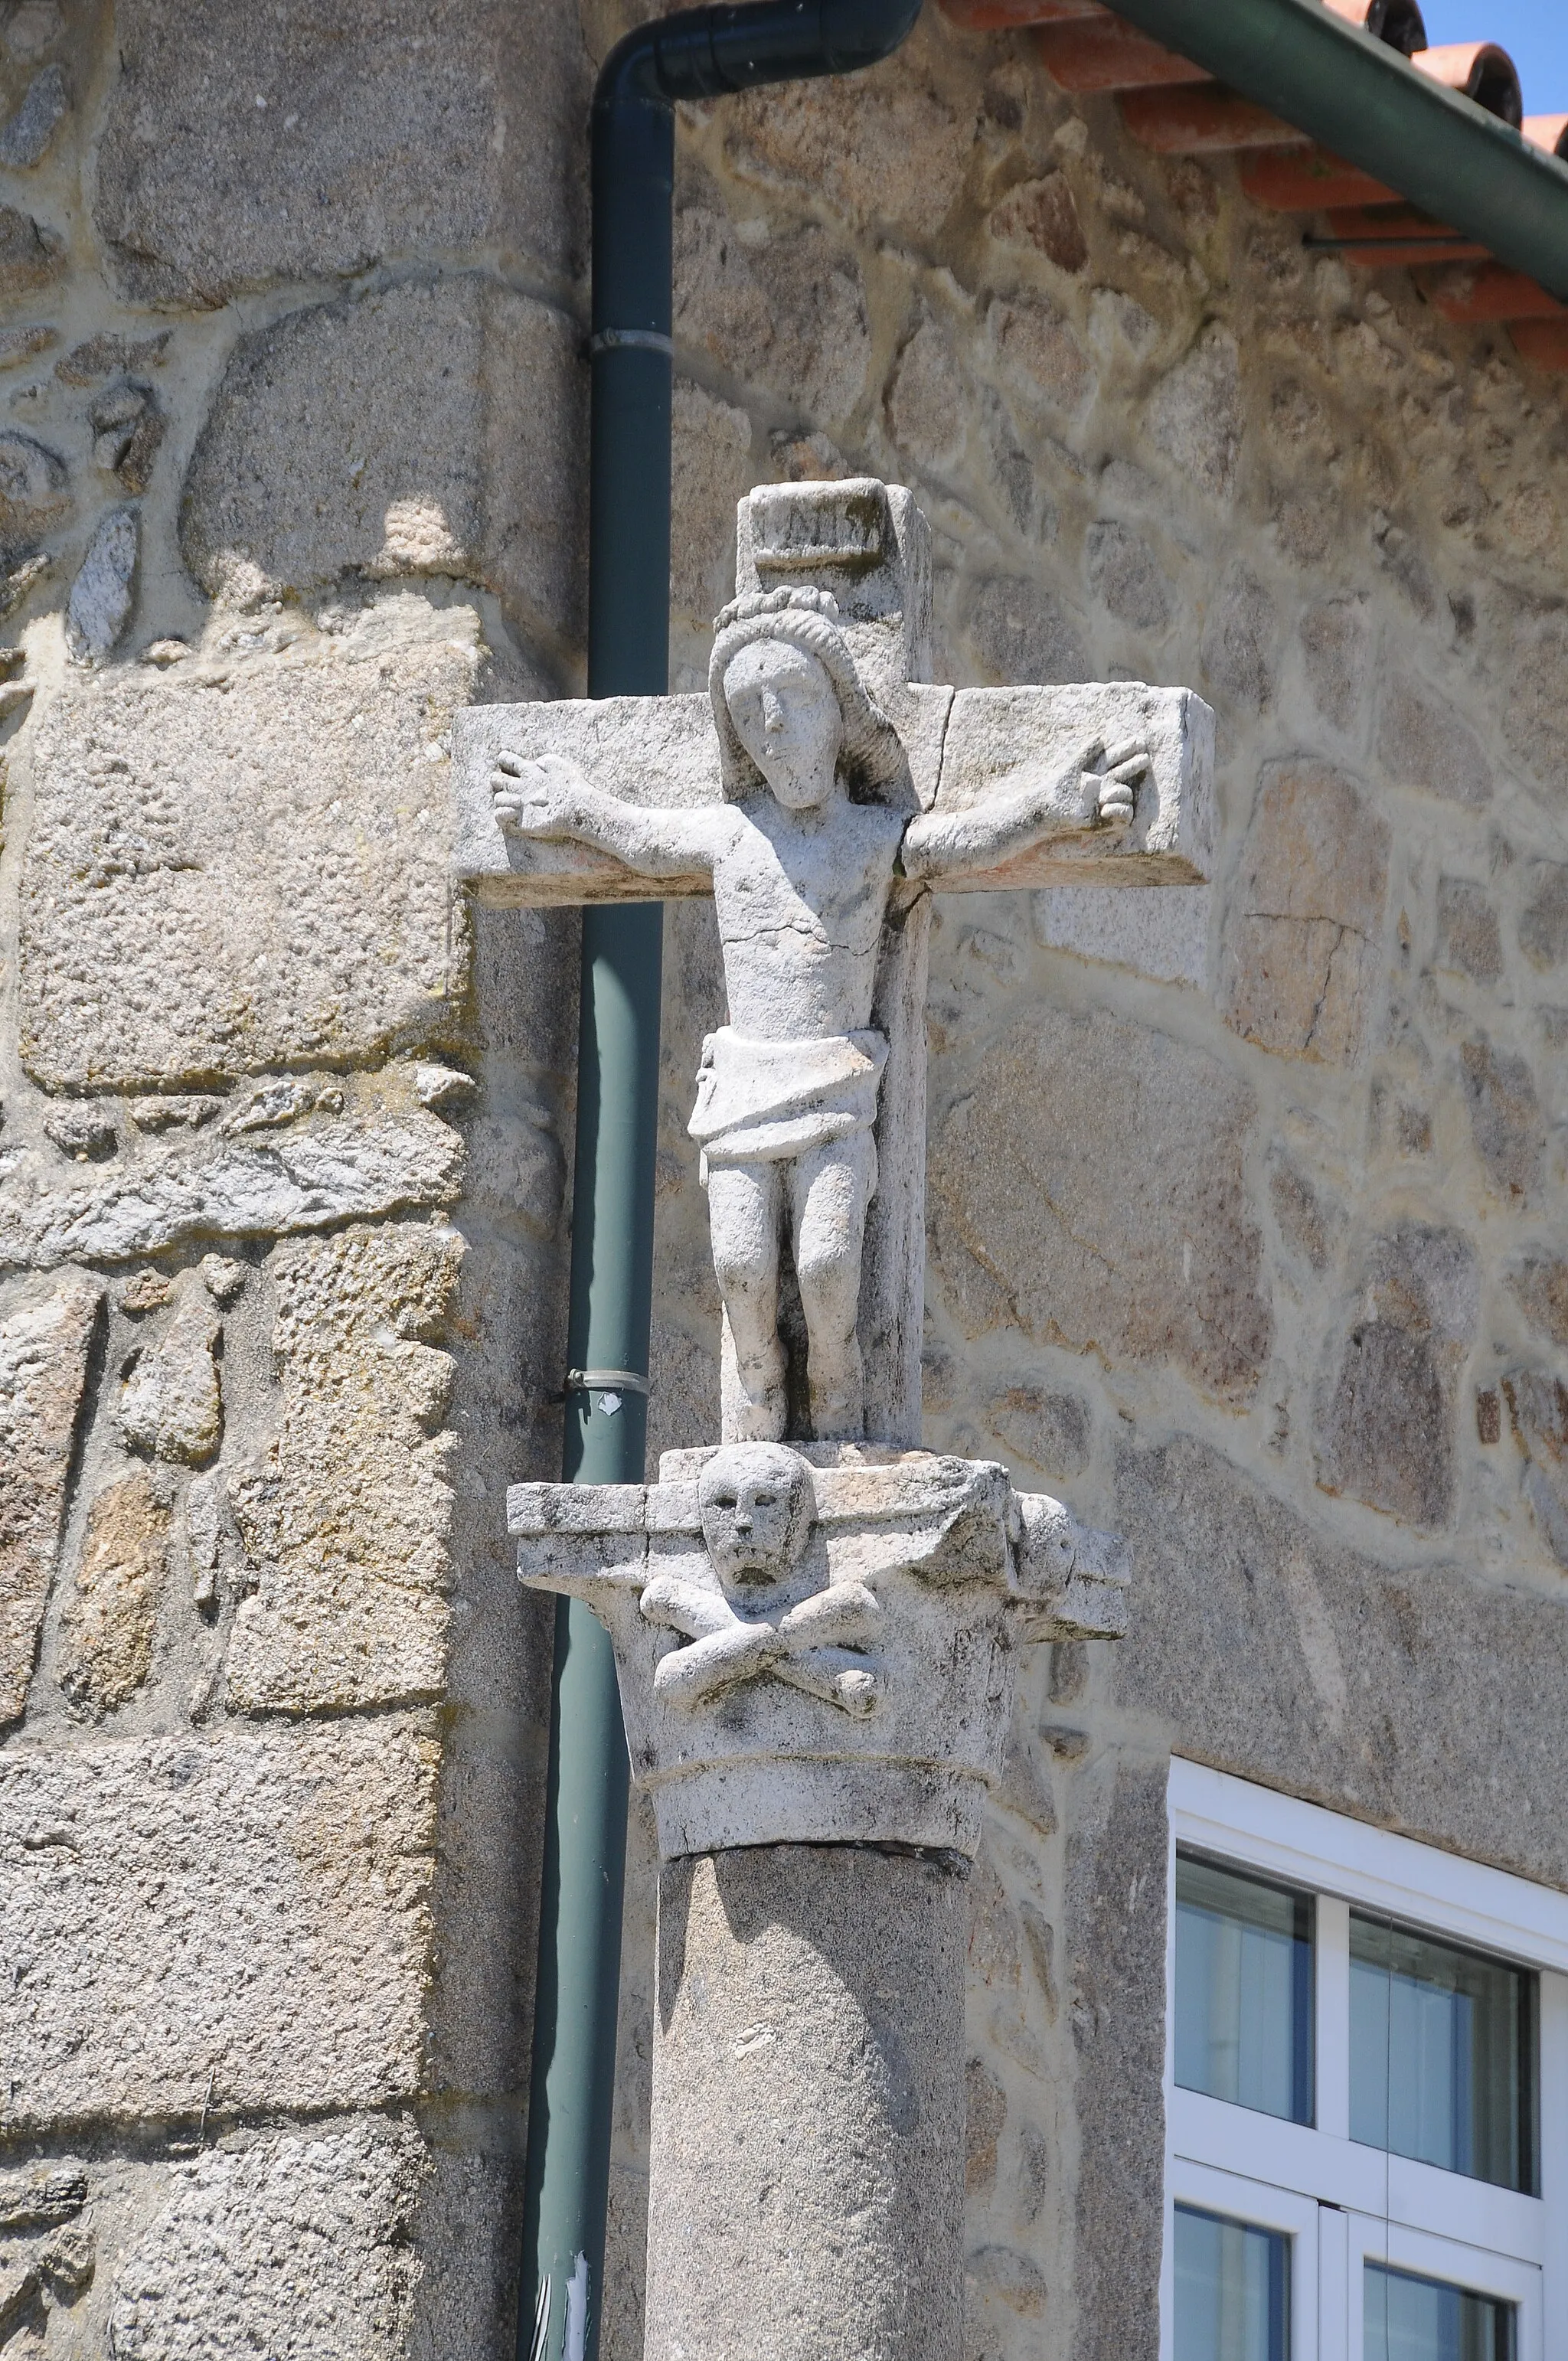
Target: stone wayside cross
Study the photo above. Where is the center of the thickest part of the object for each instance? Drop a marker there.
(815, 1638)
(821, 791)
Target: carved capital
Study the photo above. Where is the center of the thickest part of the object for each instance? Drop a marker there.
(815, 1644)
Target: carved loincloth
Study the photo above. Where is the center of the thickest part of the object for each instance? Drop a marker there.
(760, 1101)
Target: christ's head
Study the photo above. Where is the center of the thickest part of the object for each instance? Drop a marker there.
(787, 715)
(792, 711)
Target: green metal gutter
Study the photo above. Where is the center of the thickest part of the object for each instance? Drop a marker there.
(1361, 100)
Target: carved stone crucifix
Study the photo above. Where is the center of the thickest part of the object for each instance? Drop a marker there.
(821, 792)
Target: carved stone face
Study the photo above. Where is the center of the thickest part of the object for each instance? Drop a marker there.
(787, 715)
(756, 1504)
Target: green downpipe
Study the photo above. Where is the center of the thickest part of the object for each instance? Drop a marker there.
(1363, 101)
(700, 53)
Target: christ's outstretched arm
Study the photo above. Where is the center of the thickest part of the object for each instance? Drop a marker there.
(552, 797)
(946, 844)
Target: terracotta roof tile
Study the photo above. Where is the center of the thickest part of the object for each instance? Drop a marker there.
(1545, 342)
(1174, 106)
(1107, 54)
(1204, 120)
(1303, 182)
(1398, 22)
(1478, 70)
(1548, 131)
(1490, 292)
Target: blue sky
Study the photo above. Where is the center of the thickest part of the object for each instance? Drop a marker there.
(1533, 32)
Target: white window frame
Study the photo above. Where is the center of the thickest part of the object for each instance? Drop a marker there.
(1344, 2204)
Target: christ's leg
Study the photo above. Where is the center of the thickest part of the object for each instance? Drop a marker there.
(832, 1188)
(743, 1209)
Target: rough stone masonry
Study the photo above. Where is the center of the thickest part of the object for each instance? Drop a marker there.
(1241, 1216)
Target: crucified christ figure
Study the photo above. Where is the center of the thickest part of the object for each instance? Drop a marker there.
(814, 834)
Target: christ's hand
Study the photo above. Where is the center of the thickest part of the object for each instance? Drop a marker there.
(538, 798)
(1111, 790)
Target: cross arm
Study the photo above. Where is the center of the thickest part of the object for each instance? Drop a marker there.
(1008, 811)
(642, 755)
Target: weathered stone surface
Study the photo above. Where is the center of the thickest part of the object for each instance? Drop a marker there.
(1049, 1429)
(1505, 1119)
(230, 1924)
(1309, 1222)
(1427, 1699)
(1531, 652)
(930, 400)
(710, 467)
(1088, 1188)
(171, 1404)
(29, 257)
(887, 148)
(1384, 1420)
(127, 433)
(385, 132)
(45, 1337)
(35, 489)
(788, 312)
(808, 2041)
(109, 1622)
(1543, 921)
(309, 1179)
(254, 850)
(1042, 214)
(1539, 1285)
(1163, 935)
(1115, 1939)
(108, 354)
(1040, 354)
(1126, 579)
(26, 134)
(1302, 939)
(1468, 937)
(346, 1520)
(1193, 415)
(1538, 1408)
(299, 2242)
(985, 2113)
(1021, 632)
(1334, 649)
(1237, 647)
(19, 344)
(1423, 743)
(388, 436)
(103, 596)
(84, 1133)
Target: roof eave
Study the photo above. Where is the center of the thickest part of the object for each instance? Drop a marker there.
(1363, 101)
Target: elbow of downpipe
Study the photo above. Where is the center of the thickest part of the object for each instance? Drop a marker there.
(708, 53)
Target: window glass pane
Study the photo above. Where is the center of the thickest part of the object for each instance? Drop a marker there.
(1244, 1990)
(1232, 2290)
(1410, 2318)
(1442, 2055)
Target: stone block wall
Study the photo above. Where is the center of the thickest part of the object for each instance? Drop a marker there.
(289, 471)
(1241, 1227)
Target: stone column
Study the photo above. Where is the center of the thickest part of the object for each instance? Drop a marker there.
(807, 2191)
(815, 1647)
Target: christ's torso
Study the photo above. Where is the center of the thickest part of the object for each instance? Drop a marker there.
(800, 898)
